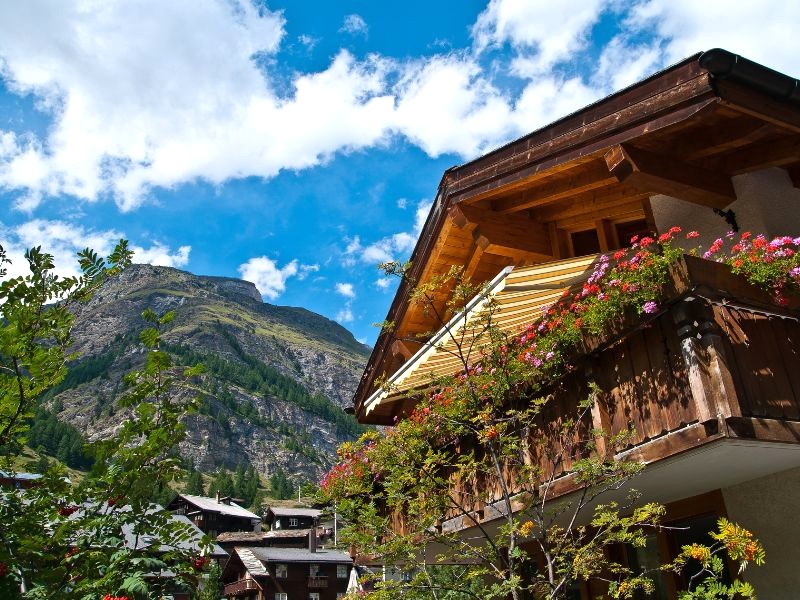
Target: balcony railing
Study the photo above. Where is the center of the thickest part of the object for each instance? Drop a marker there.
(317, 582)
(239, 587)
(720, 360)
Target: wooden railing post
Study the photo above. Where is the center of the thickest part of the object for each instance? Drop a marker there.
(703, 352)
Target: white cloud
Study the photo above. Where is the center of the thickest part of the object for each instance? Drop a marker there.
(393, 247)
(383, 283)
(306, 270)
(345, 314)
(543, 32)
(308, 41)
(346, 290)
(63, 240)
(355, 24)
(402, 203)
(267, 276)
(136, 107)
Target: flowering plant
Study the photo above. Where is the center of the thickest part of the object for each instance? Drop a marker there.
(487, 423)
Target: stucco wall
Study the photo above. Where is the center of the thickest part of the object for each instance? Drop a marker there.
(770, 507)
(767, 202)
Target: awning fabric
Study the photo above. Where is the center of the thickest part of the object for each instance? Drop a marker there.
(519, 295)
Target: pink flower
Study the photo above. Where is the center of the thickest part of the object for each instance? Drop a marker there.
(650, 307)
(692, 235)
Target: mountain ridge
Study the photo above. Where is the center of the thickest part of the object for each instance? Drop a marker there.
(279, 378)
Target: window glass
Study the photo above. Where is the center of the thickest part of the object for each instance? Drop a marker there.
(585, 242)
(281, 596)
(313, 596)
(292, 522)
(341, 571)
(280, 571)
(314, 570)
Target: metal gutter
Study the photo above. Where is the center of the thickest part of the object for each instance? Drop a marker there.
(722, 64)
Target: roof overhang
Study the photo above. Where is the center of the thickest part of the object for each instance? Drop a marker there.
(681, 132)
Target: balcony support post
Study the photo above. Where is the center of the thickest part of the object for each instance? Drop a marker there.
(704, 354)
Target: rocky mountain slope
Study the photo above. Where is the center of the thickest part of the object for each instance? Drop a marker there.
(278, 376)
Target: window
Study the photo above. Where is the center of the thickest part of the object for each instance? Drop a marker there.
(313, 596)
(314, 571)
(280, 571)
(281, 596)
(277, 524)
(648, 558)
(341, 571)
(585, 242)
(292, 522)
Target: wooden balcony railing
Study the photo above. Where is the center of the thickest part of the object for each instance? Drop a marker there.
(317, 582)
(720, 360)
(239, 587)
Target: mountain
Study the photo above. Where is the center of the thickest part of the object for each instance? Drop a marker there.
(279, 376)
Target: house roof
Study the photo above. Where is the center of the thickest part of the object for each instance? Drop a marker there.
(683, 132)
(211, 505)
(145, 541)
(284, 511)
(301, 555)
(519, 296)
(231, 537)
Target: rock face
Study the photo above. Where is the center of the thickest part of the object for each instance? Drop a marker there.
(278, 380)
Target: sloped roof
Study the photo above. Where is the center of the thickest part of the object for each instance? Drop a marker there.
(211, 504)
(519, 296)
(250, 561)
(241, 536)
(302, 555)
(285, 511)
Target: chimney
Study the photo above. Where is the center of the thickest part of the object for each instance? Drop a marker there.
(312, 537)
(217, 496)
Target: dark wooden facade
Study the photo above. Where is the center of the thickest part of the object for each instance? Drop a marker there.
(214, 517)
(303, 578)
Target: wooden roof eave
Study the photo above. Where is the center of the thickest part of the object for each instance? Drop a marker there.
(664, 100)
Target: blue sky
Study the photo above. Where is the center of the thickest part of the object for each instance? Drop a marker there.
(297, 144)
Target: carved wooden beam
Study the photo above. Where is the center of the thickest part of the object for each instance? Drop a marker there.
(661, 174)
(506, 235)
(587, 178)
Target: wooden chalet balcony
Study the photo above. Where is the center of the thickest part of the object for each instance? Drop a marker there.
(240, 587)
(718, 368)
(317, 582)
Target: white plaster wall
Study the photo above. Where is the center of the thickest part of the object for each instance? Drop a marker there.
(767, 202)
(770, 508)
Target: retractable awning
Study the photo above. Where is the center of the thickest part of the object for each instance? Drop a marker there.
(518, 295)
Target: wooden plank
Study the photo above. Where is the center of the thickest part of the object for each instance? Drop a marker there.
(505, 234)
(577, 181)
(786, 333)
(531, 157)
(660, 375)
(771, 153)
(663, 174)
(758, 104)
(644, 377)
(605, 235)
(780, 399)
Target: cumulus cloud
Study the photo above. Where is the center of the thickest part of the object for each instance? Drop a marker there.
(383, 283)
(355, 24)
(345, 314)
(393, 247)
(346, 290)
(267, 276)
(63, 240)
(306, 270)
(136, 107)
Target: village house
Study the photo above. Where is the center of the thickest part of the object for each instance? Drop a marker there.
(712, 385)
(215, 515)
(287, 573)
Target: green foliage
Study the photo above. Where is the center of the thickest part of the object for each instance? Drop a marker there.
(102, 535)
(257, 378)
(211, 587)
(282, 488)
(58, 439)
(486, 437)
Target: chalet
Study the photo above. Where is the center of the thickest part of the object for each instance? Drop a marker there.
(215, 515)
(282, 518)
(286, 538)
(286, 574)
(712, 385)
(18, 481)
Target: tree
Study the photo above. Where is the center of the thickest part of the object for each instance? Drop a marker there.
(194, 483)
(102, 535)
(483, 437)
(282, 488)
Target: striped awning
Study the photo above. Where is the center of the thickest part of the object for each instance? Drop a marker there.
(516, 298)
